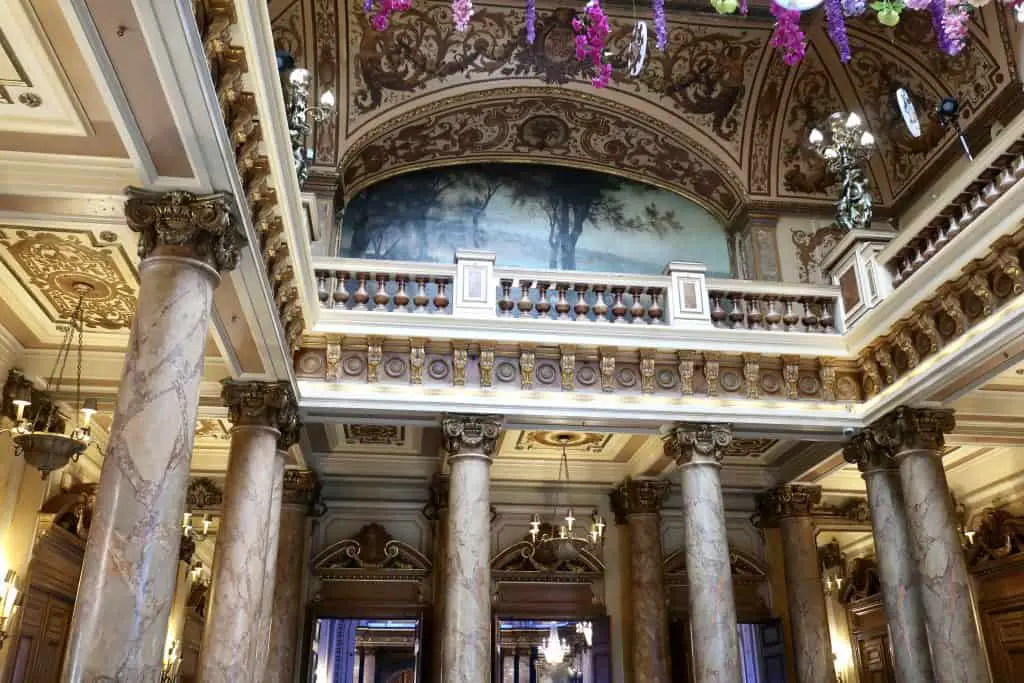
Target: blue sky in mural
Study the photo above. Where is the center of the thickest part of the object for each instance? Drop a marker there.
(532, 217)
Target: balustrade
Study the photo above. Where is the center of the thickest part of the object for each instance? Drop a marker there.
(759, 306)
(524, 296)
(394, 288)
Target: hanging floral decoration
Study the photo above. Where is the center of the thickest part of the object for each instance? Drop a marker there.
(462, 12)
(725, 6)
(787, 35)
(661, 27)
(837, 28)
(592, 33)
(531, 21)
(381, 18)
(854, 8)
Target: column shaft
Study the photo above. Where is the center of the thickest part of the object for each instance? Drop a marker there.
(131, 559)
(806, 601)
(270, 564)
(288, 600)
(230, 637)
(650, 619)
(945, 584)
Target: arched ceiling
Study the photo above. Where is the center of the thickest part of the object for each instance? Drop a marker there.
(718, 117)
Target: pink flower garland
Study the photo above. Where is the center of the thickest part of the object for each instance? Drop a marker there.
(462, 11)
(788, 35)
(955, 24)
(591, 36)
(381, 18)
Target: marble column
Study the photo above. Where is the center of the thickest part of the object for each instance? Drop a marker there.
(915, 438)
(128, 574)
(300, 490)
(270, 561)
(232, 643)
(640, 501)
(469, 441)
(437, 512)
(698, 449)
(894, 553)
(789, 508)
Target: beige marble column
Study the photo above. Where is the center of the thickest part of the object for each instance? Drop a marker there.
(437, 512)
(916, 438)
(640, 501)
(901, 593)
(469, 441)
(789, 508)
(232, 643)
(127, 585)
(270, 561)
(300, 490)
(698, 449)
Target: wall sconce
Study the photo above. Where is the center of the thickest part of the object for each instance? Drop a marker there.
(10, 602)
(833, 567)
(295, 85)
(845, 146)
(172, 662)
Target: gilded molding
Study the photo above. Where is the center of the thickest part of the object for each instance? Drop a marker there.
(180, 223)
(639, 497)
(607, 367)
(827, 374)
(486, 365)
(266, 404)
(686, 363)
(567, 365)
(460, 356)
(909, 429)
(332, 358)
(698, 443)
(527, 360)
(471, 434)
(792, 500)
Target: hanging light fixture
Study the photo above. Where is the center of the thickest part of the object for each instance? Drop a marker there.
(554, 649)
(41, 440)
(564, 535)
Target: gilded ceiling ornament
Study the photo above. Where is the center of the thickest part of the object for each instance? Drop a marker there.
(640, 496)
(792, 500)
(374, 356)
(710, 368)
(527, 359)
(486, 364)
(752, 374)
(909, 429)
(647, 371)
(460, 357)
(698, 443)
(417, 358)
(267, 404)
(791, 376)
(607, 363)
(471, 434)
(687, 360)
(567, 363)
(201, 227)
(867, 453)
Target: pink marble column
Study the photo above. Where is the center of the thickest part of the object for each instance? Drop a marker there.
(128, 576)
(469, 441)
(298, 494)
(233, 645)
(698, 449)
(916, 438)
(437, 512)
(789, 508)
(640, 501)
(901, 593)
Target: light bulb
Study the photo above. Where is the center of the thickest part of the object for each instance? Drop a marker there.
(569, 519)
(88, 410)
(562, 533)
(298, 76)
(327, 99)
(830, 153)
(187, 522)
(206, 524)
(816, 137)
(867, 139)
(852, 121)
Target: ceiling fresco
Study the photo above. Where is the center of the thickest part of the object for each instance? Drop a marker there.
(719, 108)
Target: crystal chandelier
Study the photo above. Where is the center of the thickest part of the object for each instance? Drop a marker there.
(554, 649)
(41, 440)
(563, 535)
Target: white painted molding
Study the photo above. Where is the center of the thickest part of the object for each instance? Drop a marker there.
(55, 175)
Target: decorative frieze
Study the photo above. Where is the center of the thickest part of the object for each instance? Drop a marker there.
(470, 434)
(698, 442)
(639, 497)
(792, 500)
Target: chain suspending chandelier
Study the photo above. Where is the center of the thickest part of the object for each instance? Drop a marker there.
(563, 535)
(41, 438)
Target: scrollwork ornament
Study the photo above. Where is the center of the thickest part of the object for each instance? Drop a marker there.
(884, 359)
(872, 380)
(698, 442)
(181, 223)
(471, 434)
(1008, 262)
(374, 356)
(926, 324)
(827, 375)
(913, 429)
(949, 301)
(791, 376)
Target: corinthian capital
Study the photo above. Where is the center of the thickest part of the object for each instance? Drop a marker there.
(869, 455)
(698, 442)
(791, 500)
(183, 224)
(638, 496)
(265, 404)
(471, 434)
(911, 429)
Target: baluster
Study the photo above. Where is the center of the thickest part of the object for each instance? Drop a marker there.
(543, 303)
(637, 310)
(655, 311)
(754, 316)
(827, 319)
(810, 319)
(929, 245)
(420, 299)
(562, 304)
(321, 289)
(361, 296)
(619, 306)
(340, 289)
(401, 296)
(505, 303)
(718, 313)
(525, 302)
(600, 305)
(381, 299)
(789, 318)
(441, 298)
(773, 317)
(738, 313)
(581, 308)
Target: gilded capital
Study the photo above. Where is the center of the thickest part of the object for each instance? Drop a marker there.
(792, 500)
(912, 429)
(698, 442)
(869, 455)
(266, 404)
(301, 487)
(471, 434)
(180, 223)
(638, 496)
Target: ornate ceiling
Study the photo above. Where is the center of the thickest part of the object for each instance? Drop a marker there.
(718, 118)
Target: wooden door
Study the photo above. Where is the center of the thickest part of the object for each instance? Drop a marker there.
(45, 620)
(1004, 633)
(875, 666)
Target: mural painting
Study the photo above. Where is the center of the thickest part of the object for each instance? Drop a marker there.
(540, 217)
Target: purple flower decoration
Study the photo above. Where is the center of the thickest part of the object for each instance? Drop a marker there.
(367, 6)
(837, 29)
(939, 24)
(660, 28)
(744, 7)
(531, 21)
(787, 34)
(854, 8)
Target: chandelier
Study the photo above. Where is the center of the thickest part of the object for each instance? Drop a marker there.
(845, 146)
(554, 649)
(41, 440)
(295, 87)
(562, 535)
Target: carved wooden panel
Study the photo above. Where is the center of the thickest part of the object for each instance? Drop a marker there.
(870, 636)
(43, 637)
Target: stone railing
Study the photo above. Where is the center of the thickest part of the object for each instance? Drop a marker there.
(474, 288)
